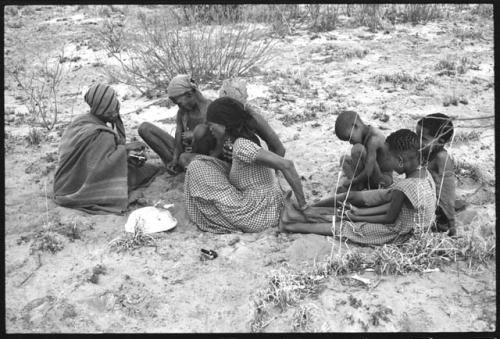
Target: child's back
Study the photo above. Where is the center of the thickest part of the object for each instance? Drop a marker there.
(434, 131)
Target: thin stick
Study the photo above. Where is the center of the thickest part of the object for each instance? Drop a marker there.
(146, 106)
(33, 272)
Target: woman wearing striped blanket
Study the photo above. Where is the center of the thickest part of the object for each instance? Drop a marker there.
(93, 172)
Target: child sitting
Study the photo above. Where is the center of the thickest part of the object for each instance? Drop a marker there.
(412, 203)
(367, 166)
(434, 131)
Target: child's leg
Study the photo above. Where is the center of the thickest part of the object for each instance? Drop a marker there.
(359, 198)
(321, 228)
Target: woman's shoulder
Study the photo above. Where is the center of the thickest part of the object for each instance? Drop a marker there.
(244, 143)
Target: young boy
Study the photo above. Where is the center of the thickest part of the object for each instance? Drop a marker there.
(434, 131)
(368, 167)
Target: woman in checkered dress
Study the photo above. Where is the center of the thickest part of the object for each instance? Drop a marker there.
(244, 196)
(412, 203)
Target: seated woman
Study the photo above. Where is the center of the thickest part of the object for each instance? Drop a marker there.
(93, 173)
(175, 151)
(412, 203)
(242, 196)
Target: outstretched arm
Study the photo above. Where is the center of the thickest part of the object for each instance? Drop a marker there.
(269, 159)
(391, 214)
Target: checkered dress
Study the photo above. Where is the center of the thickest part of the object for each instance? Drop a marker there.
(422, 195)
(221, 198)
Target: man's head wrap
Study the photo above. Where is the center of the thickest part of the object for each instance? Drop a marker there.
(103, 102)
(179, 85)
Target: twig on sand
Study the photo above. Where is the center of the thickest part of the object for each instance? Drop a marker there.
(143, 107)
(33, 272)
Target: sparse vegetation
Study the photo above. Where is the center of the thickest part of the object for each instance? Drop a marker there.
(466, 136)
(130, 242)
(468, 34)
(464, 169)
(40, 84)
(454, 66)
(401, 78)
(303, 317)
(34, 137)
(47, 241)
(162, 48)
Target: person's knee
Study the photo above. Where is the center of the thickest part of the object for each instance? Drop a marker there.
(358, 151)
(144, 129)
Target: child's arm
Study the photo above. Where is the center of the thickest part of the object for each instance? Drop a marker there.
(391, 214)
(375, 210)
(371, 159)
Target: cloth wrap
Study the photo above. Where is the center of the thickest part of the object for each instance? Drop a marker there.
(93, 174)
(179, 85)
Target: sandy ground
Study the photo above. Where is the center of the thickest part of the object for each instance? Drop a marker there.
(168, 288)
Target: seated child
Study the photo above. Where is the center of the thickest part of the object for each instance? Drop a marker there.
(434, 131)
(367, 166)
(412, 203)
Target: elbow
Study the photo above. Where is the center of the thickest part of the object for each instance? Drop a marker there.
(287, 165)
(281, 151)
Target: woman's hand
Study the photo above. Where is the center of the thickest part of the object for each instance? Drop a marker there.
(135, 146)
(187, 138)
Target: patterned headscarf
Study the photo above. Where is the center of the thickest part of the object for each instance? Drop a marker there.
(231, 113)
(103, 101)
(180, 84)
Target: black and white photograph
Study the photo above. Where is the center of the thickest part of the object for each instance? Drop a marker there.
(249, 168)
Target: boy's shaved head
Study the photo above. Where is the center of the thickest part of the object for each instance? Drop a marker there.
(344, 124)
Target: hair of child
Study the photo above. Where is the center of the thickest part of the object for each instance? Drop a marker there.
(439, 125)
(344, 124)
(403, 140)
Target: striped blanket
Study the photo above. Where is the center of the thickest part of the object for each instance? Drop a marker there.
(92, 168)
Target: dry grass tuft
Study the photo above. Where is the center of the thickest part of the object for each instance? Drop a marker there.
(130, 242)
(453, 66)
(47, 241)
(463, 169)
(466, 136)
(303, 317)
(401, 78)
(34, 137)
(467, 34)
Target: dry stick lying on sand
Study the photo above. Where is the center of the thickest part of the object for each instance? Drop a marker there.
(33, 272)
(146, 106)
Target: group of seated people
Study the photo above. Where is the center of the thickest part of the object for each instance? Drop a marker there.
(231, 179)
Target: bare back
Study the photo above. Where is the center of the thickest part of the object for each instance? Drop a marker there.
(377, 138)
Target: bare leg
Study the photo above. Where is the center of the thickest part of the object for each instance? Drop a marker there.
(186, 158)
(160, 141)
(320, 228)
